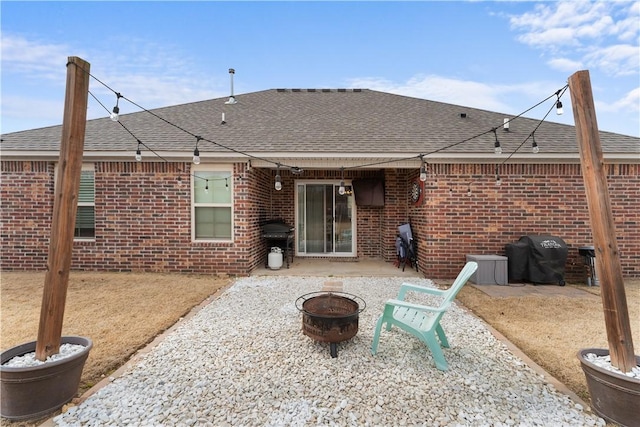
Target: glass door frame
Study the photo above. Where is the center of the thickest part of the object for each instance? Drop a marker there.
(333, 253)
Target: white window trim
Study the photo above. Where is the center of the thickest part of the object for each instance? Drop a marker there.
(211, 168)
(85, 167)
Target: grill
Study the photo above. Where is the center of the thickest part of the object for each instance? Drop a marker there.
(588, 254)
(330, 317)
(278, 234)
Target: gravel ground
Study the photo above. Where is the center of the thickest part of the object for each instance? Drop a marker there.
(243, 361)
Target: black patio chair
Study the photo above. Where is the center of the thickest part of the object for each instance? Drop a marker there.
(406, 248)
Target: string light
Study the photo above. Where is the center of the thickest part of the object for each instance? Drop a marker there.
(206, 187)
(497, 148)
(115, 114)
(559, 109)
(423, 169)
(534, 144)
(498, 179)
(278, 184)
(226, 184)
(341, 190)
(196, 152)
(138, 152)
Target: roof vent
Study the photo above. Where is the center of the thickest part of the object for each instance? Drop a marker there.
(232, 99)
(463, 115)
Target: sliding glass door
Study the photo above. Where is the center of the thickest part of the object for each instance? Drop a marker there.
(324, 220)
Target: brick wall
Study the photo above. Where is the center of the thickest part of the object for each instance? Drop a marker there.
(143, 215)
(465, 212)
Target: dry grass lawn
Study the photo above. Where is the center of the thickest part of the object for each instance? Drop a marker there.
(551, 329)
(122, 312)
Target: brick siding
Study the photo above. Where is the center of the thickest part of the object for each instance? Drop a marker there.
(143, 215)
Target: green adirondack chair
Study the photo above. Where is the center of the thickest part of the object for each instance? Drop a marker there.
(420, 320)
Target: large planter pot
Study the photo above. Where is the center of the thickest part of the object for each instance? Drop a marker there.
(614, 397)
(33, 392)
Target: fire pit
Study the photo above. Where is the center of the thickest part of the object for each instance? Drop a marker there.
(330, 316)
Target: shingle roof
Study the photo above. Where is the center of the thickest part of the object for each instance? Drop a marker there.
(331, 121)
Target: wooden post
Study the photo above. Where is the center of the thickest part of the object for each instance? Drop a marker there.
(65, 206)
(609, 270)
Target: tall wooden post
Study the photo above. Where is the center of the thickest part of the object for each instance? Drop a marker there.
(614, 301)
(65, 206)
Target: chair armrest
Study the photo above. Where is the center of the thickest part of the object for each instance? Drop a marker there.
(417, 288)
(399, 303)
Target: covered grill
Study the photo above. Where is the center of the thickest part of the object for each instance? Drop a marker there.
(537, 259)
(278, 234)
(330, 316)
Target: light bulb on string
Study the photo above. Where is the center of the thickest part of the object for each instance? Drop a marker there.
(138, 153)
(497, 148)
(469, 191)
(423, 170)
(196, 152)
(278, 184)
(226, 184)
(498, 179)
(559, 109)
(115, 114)
(206, 187)
(341, 190)
(534, 144)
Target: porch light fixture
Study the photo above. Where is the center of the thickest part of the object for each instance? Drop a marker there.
(278, 185)
(497, 148)
(534, 144)
(423, 169)
(341, 190)
(138, 152)
(196, 152)
(115, 114)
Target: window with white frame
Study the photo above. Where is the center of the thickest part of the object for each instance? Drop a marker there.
(86, 216)
(212, 204)
(85, 228)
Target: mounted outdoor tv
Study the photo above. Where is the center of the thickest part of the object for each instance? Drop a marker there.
(369, 192)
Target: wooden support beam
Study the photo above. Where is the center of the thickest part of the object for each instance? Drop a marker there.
(65, 206)
(609, 270)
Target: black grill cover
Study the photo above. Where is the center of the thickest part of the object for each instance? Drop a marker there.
(537, 259)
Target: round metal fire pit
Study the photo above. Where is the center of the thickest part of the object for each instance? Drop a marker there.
(330, 316)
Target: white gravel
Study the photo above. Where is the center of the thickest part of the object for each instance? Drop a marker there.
(243, 361)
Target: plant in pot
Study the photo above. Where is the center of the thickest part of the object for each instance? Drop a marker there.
(615, 394)
(33, 390)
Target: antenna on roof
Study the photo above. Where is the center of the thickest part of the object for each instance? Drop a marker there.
(232, 99)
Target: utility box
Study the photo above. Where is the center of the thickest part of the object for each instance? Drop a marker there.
(492, 270)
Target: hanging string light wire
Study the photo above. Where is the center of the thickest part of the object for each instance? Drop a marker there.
(557, 94)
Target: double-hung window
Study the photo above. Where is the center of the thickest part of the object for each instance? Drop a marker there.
(212, 203)
(86, 216)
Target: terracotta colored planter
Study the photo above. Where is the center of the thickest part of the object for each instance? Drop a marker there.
(33, 392)
(614, 397)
